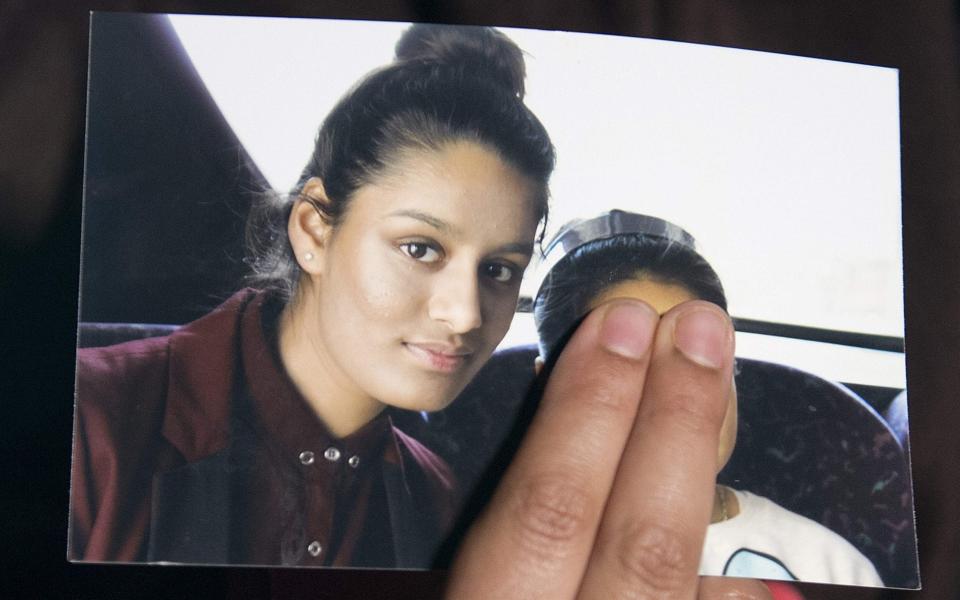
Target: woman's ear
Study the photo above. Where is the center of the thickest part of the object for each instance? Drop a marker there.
(309, 228)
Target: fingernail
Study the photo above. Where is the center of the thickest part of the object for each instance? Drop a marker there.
(628, 329)
(702, 336)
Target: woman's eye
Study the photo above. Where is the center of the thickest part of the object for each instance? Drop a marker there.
(498, 272)
(421, 252)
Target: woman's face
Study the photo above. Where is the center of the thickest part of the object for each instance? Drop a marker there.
(662, 297)
(418, 283)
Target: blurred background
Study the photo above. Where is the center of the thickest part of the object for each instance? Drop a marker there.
(43, 73)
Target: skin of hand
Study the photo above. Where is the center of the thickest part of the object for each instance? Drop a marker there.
(611, 491)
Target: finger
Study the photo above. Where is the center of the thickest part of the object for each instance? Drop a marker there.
(733, 588)
(782, 590)
(651, 535)
(534, 538)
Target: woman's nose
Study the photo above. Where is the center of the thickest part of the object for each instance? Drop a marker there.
(456, 299)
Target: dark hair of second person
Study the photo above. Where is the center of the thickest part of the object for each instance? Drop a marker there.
(580, 277)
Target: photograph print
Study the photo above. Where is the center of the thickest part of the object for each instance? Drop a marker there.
(327, 267)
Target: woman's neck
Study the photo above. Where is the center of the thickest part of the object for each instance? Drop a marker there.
(336, 400)
(725, 504)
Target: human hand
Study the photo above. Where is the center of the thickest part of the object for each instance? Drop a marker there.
(611, 491)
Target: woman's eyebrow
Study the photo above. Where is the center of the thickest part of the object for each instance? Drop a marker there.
(525, 248)
(423, 217)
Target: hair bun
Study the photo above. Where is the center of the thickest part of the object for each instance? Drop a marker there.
(482, 50)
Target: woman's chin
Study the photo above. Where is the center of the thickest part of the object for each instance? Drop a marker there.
(425, 390)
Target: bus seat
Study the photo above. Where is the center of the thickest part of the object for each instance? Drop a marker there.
(818, 449)
(896, 416)
(95, 335)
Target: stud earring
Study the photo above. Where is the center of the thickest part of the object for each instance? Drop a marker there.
(308, 256)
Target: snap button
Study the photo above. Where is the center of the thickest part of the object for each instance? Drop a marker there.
(314, 548)
(306, 457)
(331, 454)
(354, 461)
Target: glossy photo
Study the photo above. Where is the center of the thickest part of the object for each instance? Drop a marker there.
(328, 267)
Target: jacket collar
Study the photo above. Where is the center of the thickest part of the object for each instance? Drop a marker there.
(202, 357)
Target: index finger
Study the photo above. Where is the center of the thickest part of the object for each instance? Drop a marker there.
(535, 536)
(651, 536)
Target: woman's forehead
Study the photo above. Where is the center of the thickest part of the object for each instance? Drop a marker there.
(462, 190)
(661, 296)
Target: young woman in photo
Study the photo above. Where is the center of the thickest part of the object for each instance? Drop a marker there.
(257, 434)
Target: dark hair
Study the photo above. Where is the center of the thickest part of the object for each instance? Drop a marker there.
(448, 83)
(583, 274)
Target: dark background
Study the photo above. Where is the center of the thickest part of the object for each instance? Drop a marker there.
(43, 54)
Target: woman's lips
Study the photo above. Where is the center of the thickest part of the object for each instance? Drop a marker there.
(442, 358)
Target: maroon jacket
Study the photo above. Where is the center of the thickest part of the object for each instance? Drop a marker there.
(158, 453)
